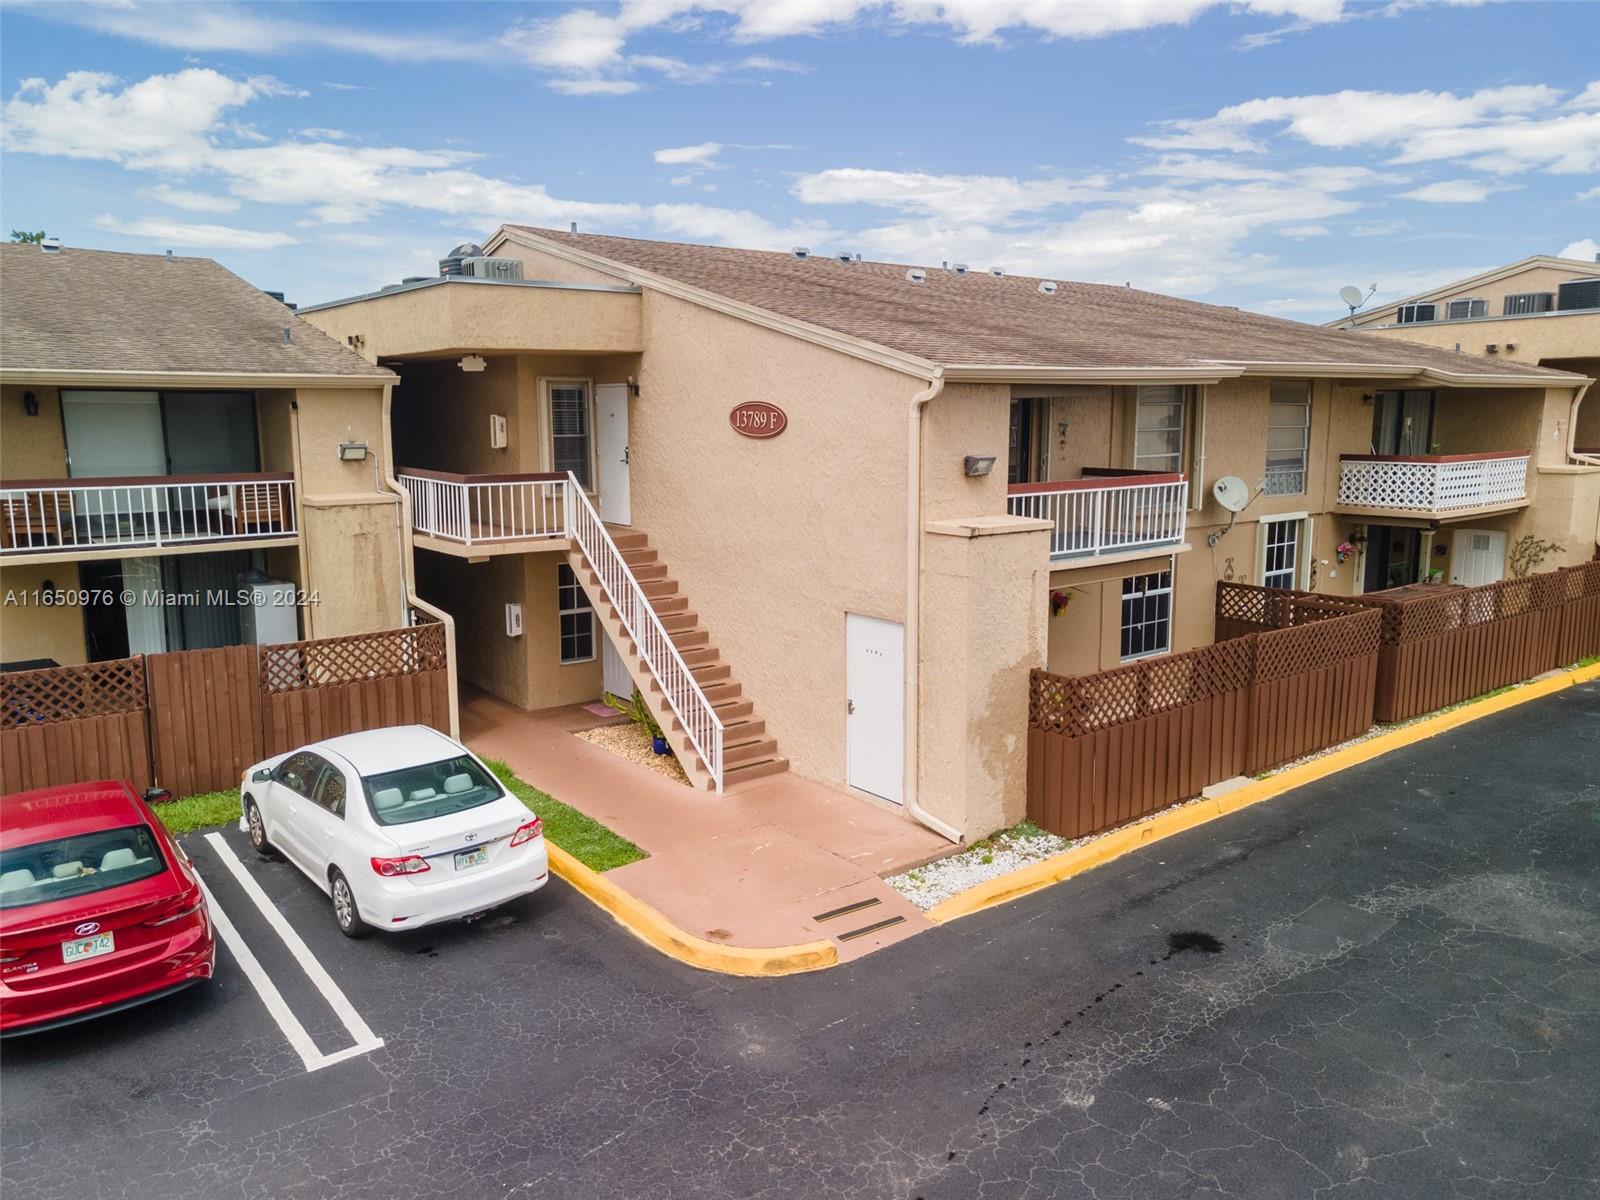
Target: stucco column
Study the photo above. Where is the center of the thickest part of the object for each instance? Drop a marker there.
(983, 629)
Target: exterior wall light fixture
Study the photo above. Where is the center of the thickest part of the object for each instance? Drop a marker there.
(979, 464)
(30, 404)
(352, 452)
(473, 362)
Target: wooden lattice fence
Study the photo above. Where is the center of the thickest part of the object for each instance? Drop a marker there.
(192, 721)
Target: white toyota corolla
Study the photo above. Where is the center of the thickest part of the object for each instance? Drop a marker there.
(401, 827)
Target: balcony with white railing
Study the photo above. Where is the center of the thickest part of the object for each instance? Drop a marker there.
(57, 519)
(1105, 514)
(1432, 485)
(486, 512)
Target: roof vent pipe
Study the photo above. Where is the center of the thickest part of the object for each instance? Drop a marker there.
(572, 227)
(169, 259)
(858, 257)
(916, 275)
(288, 335)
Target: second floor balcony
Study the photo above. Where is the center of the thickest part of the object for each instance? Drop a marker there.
(1106, 513)
(1432, 485)
(57, 519)
(486, 512)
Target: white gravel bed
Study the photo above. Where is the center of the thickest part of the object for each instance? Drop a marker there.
(1005, 851)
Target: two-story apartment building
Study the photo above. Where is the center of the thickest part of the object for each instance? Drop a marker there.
(166, 430)
(828, 513)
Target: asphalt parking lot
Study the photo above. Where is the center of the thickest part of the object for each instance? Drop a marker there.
(1387, 983)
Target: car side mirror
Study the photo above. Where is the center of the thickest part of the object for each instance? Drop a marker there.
(156, 795)
(261, 776)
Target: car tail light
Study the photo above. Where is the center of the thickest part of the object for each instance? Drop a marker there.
(188, 910)
(526, 833)
(411, 864)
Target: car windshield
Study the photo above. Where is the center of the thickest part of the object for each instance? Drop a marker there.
(76, 866)
(435, 790)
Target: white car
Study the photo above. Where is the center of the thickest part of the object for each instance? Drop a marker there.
(402, 827)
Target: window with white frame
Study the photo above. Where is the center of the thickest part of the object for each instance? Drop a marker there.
(1288, 436)
(1411, 314)
(576, 616)
(1146, 615)
(1283, 553)
(570, 430)
(1521, 303)
(1461, 310)
(1158, 432)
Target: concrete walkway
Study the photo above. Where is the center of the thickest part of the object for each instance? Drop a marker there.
(751, 868)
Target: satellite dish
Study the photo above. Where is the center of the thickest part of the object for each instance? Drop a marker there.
(1231, 492)
(1352, 296)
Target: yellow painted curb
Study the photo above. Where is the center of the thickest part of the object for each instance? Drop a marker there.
(650, 927)
(1175, 820)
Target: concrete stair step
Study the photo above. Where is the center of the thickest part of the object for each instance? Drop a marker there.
(700, 655)
(624, 539)
(639, 558)
(751, 751)
(658, 589)
(732, 710)
(758, 769)
(645, 572)
(685, 620)
(745, 729)
(710, 672)
(691, 637)
(722, 690)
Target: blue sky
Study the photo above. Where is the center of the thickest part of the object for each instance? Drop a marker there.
(1259, 153)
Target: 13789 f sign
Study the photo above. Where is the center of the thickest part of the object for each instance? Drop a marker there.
(758, 419)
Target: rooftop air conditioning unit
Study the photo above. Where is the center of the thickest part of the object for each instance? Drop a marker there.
(1578, 293)
(491, 268)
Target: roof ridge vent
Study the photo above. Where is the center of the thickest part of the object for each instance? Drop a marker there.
(1047, 287)
(50, 245)
(916, 275)
(800, 252)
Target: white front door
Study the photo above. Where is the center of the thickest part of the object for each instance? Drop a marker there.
(1478, 556)
(611, 447)
(875, 705)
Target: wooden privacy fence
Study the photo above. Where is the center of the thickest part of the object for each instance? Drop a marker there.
(1443, 646)
(1112, 747)
(192, 721)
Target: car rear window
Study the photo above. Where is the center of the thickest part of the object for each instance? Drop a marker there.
(76, 866)
(435, 790)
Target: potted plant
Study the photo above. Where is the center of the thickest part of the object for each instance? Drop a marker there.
(637, 711)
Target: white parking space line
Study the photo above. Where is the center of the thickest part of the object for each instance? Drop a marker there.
(365, 1039)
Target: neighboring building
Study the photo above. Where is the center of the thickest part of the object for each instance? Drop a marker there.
(859, 597)
(166, 428)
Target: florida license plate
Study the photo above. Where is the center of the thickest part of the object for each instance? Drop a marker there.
(89, 947)
(471, 858)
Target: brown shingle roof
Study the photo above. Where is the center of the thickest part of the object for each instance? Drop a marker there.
(979, 319)
(101, 310)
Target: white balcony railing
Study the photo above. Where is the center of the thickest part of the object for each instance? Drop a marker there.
(44, 515)
(1104, 515)
(1432, 483)
(478, 509)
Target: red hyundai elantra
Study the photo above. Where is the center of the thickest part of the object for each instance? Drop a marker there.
(99, 908)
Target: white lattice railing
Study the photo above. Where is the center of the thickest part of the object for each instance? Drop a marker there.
(694, 712)
(1106, 514)
(1432, 483)
(40, 515)
(474, 509)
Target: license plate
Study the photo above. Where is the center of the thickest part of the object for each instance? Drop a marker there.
(471, 858)
(89, 947)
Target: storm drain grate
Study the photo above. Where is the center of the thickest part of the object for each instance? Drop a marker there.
(847, 909)
(866, 929)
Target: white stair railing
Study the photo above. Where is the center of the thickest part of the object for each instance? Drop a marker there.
(699, 720)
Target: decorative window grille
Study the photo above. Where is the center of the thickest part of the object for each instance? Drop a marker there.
(577, 618)
(1288, 437)
(1146, 615)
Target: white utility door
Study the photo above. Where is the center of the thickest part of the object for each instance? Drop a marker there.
(613, 671)
(611, 447)
(875, 705)
(1478, 556)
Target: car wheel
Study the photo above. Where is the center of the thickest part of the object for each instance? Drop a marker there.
(258, 829)
(345, 913)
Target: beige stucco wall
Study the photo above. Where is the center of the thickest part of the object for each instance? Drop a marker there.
(538, 264)
(983, 630)
(1563, 339)
(1531, 279)
(31, 447)
(462, 317)
(29, 630)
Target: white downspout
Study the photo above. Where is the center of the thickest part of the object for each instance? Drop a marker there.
(1572, 429)
(913, 637)
(407, 572)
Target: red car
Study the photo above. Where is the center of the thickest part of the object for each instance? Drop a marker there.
(99, 908)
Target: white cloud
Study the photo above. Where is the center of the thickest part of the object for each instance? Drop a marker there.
(190, 201)
(1587, 249)
(330, 135)
(946, 197)
(211, 237)
(1452, 191)
(699, 154)
(1592, 194)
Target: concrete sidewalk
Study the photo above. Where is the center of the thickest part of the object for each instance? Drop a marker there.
(753, 868)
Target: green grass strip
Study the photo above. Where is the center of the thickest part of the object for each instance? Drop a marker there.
(588, 841)
(199, 812)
